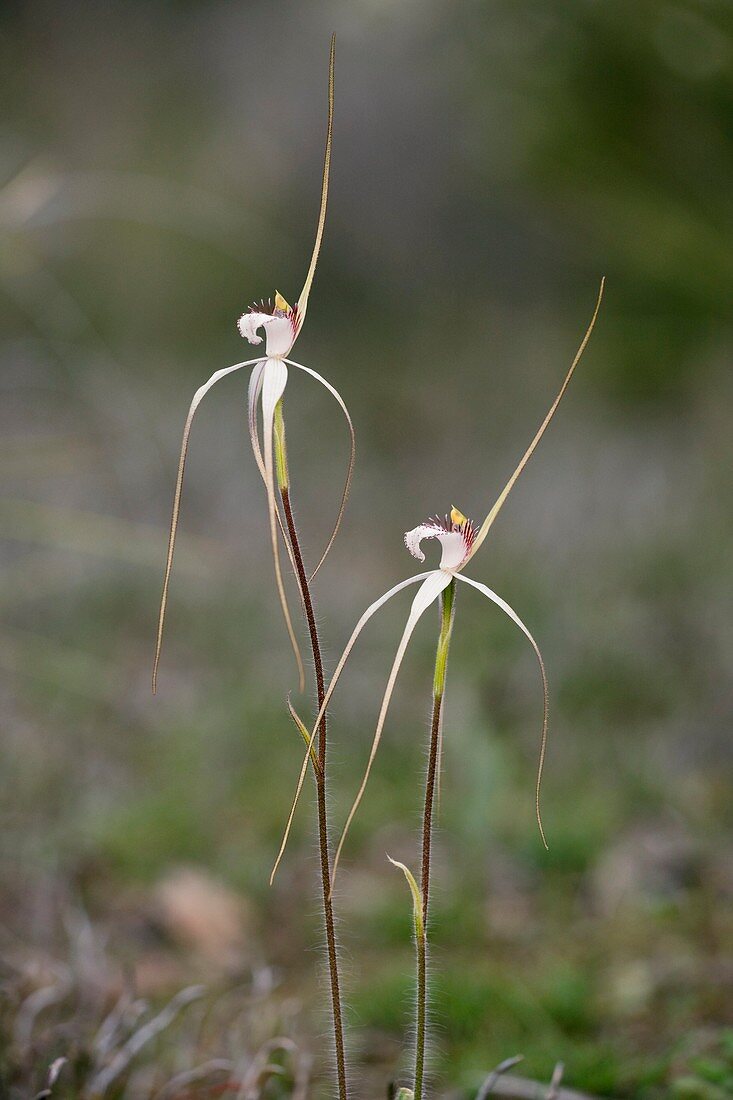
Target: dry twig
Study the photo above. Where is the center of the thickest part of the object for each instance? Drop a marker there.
(555, 1082)
(102, 1080)
(53, 1073)
(495, 1074)
(521, 1088)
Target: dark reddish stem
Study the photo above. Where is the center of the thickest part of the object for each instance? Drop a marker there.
(320, 778)
(431, 779)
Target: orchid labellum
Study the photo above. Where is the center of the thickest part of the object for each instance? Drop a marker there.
(281, 325)
(459, 540)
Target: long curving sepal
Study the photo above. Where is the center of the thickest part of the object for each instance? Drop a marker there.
(302, 303)
(273, 386)
(352, 454)
(491, 595)
(484, 529)
(255, 390)
(371, 610)
(428, 592)
(197, 399)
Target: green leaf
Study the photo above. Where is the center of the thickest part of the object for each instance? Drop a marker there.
(416, 910)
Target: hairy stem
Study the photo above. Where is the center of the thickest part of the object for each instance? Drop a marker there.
(441, 664)
(281, 466)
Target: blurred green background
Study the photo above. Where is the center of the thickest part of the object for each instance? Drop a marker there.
(160, 165)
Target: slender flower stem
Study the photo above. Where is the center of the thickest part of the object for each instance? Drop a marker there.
(283, 479)
(441, 664)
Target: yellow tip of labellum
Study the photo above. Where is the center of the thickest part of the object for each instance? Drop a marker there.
(457, 517)
(280, 302)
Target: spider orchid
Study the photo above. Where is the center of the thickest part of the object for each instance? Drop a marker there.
(281, 325)
(459, 540)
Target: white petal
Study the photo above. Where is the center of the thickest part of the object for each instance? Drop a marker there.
(350, 470)
(455, 549)
(491, 595)
(428, 592)
(197, 399)
(253, 396)
(280, 335)
(453, 543)
(248, 324)
(414, 538)
(279, 331)
(275, 378)
(371, 610)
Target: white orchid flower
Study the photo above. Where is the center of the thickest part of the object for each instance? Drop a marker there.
(281, 325)
(459, 541)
